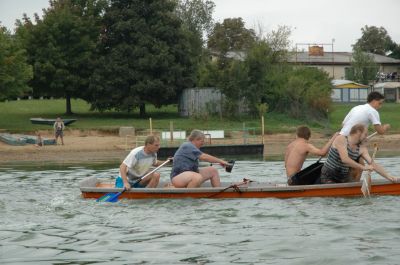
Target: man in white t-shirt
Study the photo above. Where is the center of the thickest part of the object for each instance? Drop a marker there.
(366, 114)
(138, 163)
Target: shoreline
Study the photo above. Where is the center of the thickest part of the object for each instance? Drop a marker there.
(94, 147)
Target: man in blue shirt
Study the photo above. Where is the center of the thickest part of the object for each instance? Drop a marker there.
(185, 170)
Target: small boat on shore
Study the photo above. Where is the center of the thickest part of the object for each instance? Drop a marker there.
(94, 188)
(50, 121)
(22, 139)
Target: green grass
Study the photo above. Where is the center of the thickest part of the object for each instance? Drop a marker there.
(14, 117)
(389, 113)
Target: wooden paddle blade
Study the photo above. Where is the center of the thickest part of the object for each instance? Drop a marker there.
(366, 186)
(364, 189)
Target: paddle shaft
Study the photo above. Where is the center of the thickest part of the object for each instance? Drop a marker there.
(372, 135)
(154, 170)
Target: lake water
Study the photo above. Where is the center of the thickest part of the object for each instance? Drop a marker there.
(43, 220)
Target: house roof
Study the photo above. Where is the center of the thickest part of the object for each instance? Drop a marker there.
(339, 83)
(337, 58)
(387, 85)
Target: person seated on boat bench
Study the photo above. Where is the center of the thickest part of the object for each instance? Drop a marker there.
(138, 163)
(365, 114)
(185, 170)
(297, 151)
(344, 154)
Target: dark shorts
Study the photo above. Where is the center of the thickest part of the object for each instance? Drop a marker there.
(329, 176)
(293, 180)
(307, 176)
(59, 133)
(135, 184)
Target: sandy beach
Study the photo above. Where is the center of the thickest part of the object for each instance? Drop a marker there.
(83, 147)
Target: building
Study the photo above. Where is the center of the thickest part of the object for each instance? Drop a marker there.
(336, 64)
(391, 90)
(348, 91)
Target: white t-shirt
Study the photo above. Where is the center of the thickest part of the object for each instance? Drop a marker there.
(364, 114)
(139, 162)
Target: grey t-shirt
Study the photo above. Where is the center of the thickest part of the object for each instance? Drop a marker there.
(186, 158)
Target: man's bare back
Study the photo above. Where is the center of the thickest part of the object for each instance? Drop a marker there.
(296, 154)
(297, 151)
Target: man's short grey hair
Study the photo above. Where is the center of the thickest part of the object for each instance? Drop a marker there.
(196, 134)
(151, 139)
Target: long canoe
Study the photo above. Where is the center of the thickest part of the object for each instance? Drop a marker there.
(94, 188)
(22, 139)
(50, 121)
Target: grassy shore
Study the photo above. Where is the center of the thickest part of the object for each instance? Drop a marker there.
(14, 117)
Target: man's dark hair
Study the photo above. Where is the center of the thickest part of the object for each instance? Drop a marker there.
(374, 95)
(303, 132)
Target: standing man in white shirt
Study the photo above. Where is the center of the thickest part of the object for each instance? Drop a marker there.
(366, 114)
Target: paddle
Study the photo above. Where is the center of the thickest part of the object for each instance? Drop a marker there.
(113, 197)
(366, 185)
(228, 167)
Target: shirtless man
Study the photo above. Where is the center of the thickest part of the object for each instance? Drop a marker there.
(297, 151)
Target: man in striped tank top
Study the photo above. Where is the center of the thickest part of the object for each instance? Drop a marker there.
(344, 154)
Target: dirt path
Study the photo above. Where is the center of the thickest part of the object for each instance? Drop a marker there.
(94, 146)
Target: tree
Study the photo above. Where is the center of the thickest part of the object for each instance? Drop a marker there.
(196, 15)
(264, 62)
(306, 93)
(197, 21)
(231, 35)
(143, 56)
(374, 40)
(395, 51)
(363, 67)
(15, 72)
(60, 47)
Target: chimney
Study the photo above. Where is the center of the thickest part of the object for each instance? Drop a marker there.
(316, 50)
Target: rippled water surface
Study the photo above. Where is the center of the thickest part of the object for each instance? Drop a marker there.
(43, 220)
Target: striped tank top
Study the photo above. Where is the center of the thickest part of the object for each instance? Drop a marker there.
(334, 162)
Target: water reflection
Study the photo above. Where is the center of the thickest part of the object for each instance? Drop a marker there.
(45, 221)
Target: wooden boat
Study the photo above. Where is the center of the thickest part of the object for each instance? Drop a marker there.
(12, 139)
(50, 121)
(94, 188)
(21, 139)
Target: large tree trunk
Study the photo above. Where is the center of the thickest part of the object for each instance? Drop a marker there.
(142, 109)
(68, 105)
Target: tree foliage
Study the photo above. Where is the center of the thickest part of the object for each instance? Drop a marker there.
(197, 22)
(196, 15)
(231, 35)
(143, 56)
(15, 72)
(363, 67)
(60, 47)
(375, 40)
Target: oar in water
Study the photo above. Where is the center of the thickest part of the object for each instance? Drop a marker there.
(113, 197)
(366, 185)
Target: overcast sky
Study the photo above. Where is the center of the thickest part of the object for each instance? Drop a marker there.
(312, 21)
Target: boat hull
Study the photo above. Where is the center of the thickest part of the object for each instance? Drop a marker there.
(20, 139)
(252, 190)
(50, 121)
